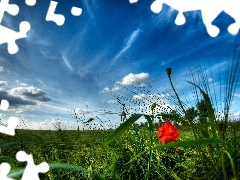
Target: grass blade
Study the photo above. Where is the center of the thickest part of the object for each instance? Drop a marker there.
(9, 160)
(211, 115)
(232, 164)
(19, 172)
(9, 144)
(74, 168)
(188, 143)
(123, 127)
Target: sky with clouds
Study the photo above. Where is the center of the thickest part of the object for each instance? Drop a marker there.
(114, 53)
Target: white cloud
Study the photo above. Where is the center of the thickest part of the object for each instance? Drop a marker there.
(23, 84)
(30, 93)
(116, 88)
(55, 121)
(236, 114)
(1, 69)
(131, 79)
(146, 101)
(3, 83)
(112, 101)
(210, 79)
(128, 44)
(21, 98)
(81, 111)
(135, 79)
(151, 98)
(52, 124)
(237, 95)
(105, 90)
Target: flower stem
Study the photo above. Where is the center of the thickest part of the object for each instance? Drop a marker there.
(190, 122)
(150, 122)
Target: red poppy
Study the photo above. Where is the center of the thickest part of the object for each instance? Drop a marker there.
(168, 133)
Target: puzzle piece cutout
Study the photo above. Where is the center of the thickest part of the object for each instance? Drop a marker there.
(4, 105)
(11, 36)
(59, 19)
(4, 171)
(30, 2)
(209, 10)
(31, 171)
(133, 1)
(10, 129)
(76, 11)
(8, 35)
(12, 9)
(12, 121)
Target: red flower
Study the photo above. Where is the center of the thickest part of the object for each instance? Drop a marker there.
(168, 132)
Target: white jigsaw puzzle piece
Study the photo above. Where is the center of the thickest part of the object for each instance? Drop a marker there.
(31, 171)
(8, 35)
(10, 129)
(76, 11)
(30, 2)
(12, 121)
(4, 105)
(4, 170)
(133, 1)
(209, 10)
(12, 9)
(59, 19)
(11, 36)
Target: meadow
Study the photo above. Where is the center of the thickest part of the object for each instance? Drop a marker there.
(80, 155)
(208, 146)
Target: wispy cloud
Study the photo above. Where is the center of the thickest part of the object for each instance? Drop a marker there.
(66, 62)
(128, 44)
(89, 7)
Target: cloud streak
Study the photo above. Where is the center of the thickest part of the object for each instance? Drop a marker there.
(66, 62)
(128, 44)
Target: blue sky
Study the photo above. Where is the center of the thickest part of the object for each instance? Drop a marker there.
(113, 50)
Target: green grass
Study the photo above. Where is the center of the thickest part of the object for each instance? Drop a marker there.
(77, 155)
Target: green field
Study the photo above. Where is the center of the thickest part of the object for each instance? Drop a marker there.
(84, 150)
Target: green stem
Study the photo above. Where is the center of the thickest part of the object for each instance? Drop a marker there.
(151, 145)
(180, 103)
(223, 168)
(191, 124)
